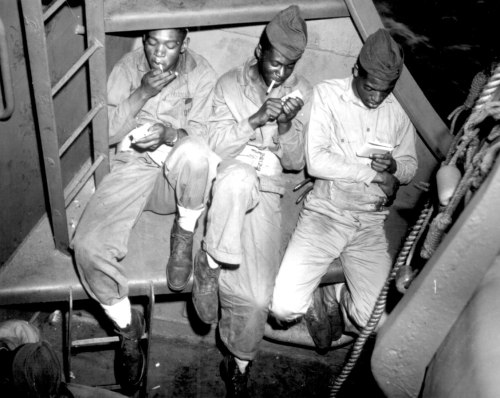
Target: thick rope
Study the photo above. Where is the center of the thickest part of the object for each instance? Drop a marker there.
(379, 307)
(444, 219)
(468, 145)
(469, 129)
(489, 89)
(477, 85)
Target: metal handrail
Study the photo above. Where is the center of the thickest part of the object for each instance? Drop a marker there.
(5, 75)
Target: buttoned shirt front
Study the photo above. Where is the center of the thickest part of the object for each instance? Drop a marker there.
(340, 125)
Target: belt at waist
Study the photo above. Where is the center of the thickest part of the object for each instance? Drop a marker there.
(262, 160)
(353, 201)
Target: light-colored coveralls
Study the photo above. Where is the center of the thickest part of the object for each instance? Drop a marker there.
(344, 214)
(244, 218)
(136, 183)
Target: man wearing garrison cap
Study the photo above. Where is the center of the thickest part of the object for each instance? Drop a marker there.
(257, 126)
(360, 145)
(30, 367)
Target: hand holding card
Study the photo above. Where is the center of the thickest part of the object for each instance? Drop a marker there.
(371, 148)
(293, 94)
(140, 132)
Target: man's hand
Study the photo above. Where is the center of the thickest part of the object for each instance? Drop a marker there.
(291, 107)
(389, 185)
(383, 162)
(159, 134)
(268, 112)
(154, 81)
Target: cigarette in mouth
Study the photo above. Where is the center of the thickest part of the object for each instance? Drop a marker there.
(161, 68)
(270, 87)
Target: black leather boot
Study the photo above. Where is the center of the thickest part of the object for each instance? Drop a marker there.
(205, 289)
(318, 323)
(130, 358)
(180, 262)
(236, 382)
(333, 312)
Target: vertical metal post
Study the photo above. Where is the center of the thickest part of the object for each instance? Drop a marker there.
(94, 17)
(40, 76)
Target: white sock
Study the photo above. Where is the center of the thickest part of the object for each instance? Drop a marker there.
(242, 364)
(120, 312)
(338, 291)
(211, 262)
(188, 217)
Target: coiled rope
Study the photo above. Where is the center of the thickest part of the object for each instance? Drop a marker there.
(475, 172)
(378, 310)
(476, 88)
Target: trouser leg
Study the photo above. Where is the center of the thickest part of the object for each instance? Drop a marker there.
(316, 241)
(235, 193)
(366, 264)
(245, 291)
(187, 178)
(101, 238)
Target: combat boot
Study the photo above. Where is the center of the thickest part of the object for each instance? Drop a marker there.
(318, 323)
(205, 289)
(180, 262)
(333, 312)
(236, 382)
(130, 358)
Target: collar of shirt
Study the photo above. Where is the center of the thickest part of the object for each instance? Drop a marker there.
(348, 95)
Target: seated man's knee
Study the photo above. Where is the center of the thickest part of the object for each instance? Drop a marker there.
(236, 175)
(192, 149)
(87, 249)
(283, 312)
(361, 317)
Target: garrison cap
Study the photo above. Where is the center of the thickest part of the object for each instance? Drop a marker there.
(381, 56)
(287, 33)
(36, 371)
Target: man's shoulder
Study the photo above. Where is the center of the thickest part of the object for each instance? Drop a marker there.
(232, 75)
(337, 85)
(396, 107)
(200, 62)
(132, 58)
(332, 90)
(304, 85)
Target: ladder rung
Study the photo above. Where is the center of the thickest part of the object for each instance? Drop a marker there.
(94, 342)
(52, 9)
(77, 65)
(98, 341)
(86, 120)
(71, 195)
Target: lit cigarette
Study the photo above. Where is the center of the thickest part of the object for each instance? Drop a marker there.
(270, 87)
(161, 68)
